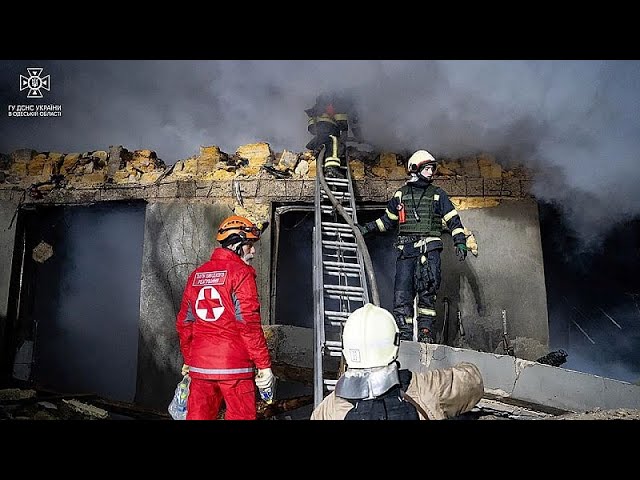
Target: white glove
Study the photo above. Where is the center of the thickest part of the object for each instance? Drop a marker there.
(185, 369)
(264, 378)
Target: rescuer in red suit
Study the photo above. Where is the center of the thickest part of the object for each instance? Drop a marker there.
(220, 331)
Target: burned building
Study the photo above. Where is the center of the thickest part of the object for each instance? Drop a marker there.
(97, 247)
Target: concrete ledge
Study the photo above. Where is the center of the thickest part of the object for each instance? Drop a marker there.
(506, 378)
(525, 381)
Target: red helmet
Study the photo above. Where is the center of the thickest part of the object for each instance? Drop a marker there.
(240, 226)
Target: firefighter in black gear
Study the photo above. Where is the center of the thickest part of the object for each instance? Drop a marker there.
(418, 208)
(329, 119)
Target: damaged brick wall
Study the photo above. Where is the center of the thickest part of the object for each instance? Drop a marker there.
(119, 174)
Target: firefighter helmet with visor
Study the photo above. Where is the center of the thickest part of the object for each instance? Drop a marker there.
(419, 160)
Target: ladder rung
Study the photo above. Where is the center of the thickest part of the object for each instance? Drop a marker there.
(330, 384)
(347, 232)
(339, 234)
(346, 266)
(350, 267)
(344, 288)
(342, 255)
(343, 245)
(337, 181)
(344, 296)
(334, 273)
(342, 271)
(336, 314)
(330, 209)
(336, 319)
(337, 195)
(332, 226)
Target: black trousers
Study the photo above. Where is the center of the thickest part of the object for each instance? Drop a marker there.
(324, 130)
(409, 271)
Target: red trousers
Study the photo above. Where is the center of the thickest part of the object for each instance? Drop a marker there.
(206, 397)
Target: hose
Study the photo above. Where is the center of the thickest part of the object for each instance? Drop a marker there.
(362, 245)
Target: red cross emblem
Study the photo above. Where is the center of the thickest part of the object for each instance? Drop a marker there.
(208, 304)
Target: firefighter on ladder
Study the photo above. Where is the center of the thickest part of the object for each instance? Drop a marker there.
(418, 209)
(329, 119)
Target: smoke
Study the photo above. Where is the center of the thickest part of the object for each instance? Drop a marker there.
(575, 123)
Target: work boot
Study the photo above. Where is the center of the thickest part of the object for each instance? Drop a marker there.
(406, 330)
(424, 336)
(333, 172)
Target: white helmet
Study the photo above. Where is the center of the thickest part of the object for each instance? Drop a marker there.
(418, 160)
(370, 338)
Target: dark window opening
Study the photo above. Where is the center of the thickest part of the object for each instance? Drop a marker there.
(77, 298)
(292, 279)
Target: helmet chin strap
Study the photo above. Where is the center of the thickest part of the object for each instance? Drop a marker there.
(237, 249)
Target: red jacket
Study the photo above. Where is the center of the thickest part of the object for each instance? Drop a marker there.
(219, 324)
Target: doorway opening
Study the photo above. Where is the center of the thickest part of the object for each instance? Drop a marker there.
(76, 298)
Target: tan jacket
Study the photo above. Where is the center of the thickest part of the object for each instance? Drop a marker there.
(442, 393)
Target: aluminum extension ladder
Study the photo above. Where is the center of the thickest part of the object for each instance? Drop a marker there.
(339, 280)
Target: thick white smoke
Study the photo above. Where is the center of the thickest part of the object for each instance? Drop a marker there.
(575, 122)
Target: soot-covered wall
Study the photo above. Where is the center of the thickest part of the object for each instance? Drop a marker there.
(179, 236)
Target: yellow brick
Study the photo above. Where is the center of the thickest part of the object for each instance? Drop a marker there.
(357, 169)
(249, 171)
(190, 166)
(48, 169)
(90, 178)
(36, 165)
(69, 162)
(256, 153)
(396, 173)
(150, 177)
(388, 160)
(121, 176)
(466, 203)
(379, 172)
(56, 157)
(484, 159)
(491, 171)
(143, 154)
(18, 169)
(212, 151)
(221, 174)
(312, 169)
(442, 170)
